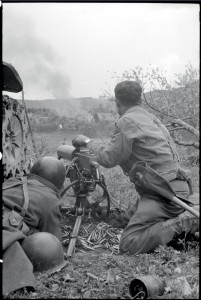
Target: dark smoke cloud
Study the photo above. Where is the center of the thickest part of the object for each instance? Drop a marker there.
(38, 64)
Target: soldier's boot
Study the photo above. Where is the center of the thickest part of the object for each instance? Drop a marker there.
(183, 223)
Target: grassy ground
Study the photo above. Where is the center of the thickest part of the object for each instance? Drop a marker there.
(103, 274)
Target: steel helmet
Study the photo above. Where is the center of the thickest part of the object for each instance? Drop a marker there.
(51, 169)
(45, 252)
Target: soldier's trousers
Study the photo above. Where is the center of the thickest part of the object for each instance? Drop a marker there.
(156, 221)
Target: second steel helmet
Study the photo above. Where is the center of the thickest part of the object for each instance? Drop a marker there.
(51, 169)
(45, 252)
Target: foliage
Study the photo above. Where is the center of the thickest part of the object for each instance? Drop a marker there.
(43, 119)
(53, 116)
(89, 130)
(42, 147)
(104, 108)
(48, 127)
(40, 111)
(190, 80)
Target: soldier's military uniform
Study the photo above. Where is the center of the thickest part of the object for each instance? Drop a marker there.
(30, 204)
(140, 136)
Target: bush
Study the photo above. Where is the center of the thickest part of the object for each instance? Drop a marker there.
(90, 131)
(48, 127)
(189, 156)
(194, 160)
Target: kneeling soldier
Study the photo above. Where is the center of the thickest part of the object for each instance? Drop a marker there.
(140, 137)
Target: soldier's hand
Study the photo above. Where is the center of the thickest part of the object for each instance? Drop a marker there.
(80, 141)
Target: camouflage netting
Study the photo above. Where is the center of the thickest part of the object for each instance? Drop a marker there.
(14, 138)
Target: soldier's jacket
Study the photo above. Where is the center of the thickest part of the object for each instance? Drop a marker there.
(43, 215)
(139, 136)
(43, 212)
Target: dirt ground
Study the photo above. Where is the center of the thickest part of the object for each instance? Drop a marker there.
(98, 271)
(104, 274)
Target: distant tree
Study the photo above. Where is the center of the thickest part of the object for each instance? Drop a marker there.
(53, 116)
(84, 126)
(103, 108)
(39, 111)
(78, 120)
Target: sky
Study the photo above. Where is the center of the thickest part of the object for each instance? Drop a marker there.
(66, 50)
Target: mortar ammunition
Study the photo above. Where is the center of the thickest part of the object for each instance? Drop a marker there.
(146, 287)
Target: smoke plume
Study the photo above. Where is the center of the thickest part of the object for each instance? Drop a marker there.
(39, 65)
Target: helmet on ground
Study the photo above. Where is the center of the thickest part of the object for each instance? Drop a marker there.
(51, 169)
(45, 252)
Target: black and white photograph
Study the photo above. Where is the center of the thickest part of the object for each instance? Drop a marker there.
(100, 150)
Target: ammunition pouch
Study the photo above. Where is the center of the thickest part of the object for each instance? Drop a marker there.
(148, 181)
(14, 219)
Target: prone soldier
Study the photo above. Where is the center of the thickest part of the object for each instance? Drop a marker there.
(31, 224)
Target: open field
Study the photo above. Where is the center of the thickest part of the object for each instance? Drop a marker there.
(57, 137)
(104, 274)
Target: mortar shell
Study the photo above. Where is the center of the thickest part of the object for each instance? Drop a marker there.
(146, 287)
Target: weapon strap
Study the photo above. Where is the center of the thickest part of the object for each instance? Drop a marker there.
(26, 196)
(168, 139)
(25, 192)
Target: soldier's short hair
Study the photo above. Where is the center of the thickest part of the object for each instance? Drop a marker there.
(128, 92)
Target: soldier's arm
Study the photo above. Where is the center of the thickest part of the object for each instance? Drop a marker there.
(116, 151)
